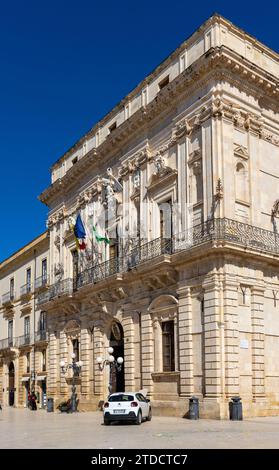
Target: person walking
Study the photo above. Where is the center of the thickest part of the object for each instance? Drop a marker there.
(33, 401)
(29, 400)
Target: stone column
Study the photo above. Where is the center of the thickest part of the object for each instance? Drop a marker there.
(258, 337)
(185, 342)
(85, 358)
(147, 352)
(231, 337)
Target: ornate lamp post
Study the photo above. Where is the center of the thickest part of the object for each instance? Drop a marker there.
(110, 361)
(76, 367)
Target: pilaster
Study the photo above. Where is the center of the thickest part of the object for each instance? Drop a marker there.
(147, 352)
(258, 337)
(185, 342)
(85, 349)
(212, 343)
(231, 333)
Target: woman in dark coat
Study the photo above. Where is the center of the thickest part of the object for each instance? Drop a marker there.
(33, 401)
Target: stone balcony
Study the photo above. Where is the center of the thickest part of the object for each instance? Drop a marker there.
(215, 232)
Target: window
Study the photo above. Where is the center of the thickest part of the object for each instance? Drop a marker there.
(127, 111)
(75, 267)
(144, 97)
(84, 148)
(136, 178)
(168, 346)
(12, 288)
(182, 63)
(28, 362)
(112, 128)
(164, 82)
(44, 360)
(42, 325)
(28, 280)
(166, 219)
(27, 327)
(10, 332)
(76, 349)
(44, 272)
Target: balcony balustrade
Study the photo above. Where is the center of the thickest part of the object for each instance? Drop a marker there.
(41, 335)
(26, 290)
(223, 230)
(41, 282)
(8, 299)
(24, 340)
(59, 289)
(8, 343)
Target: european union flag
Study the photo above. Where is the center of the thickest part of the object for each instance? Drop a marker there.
(79, 229)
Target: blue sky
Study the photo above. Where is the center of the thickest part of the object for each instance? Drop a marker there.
(65, 64)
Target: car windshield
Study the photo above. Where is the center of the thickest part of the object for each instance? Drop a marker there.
(121, 397)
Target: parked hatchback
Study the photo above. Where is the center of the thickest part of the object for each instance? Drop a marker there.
(128, 406)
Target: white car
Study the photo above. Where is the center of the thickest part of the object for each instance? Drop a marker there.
(127, 406)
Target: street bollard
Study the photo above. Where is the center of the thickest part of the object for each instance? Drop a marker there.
(235, 408)
(193, 408)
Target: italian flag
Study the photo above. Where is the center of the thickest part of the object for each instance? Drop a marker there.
(100, 238)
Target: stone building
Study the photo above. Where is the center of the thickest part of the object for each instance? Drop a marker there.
(182, 177)
(23, 333)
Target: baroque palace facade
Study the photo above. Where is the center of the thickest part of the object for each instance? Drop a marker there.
(183, 175)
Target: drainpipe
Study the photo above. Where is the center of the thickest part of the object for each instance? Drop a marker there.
(140, 347)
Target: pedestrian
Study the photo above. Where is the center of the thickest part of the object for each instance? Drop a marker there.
(29, 400)
(33, 401)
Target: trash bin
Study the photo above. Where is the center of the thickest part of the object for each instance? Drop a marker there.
(193, 408)
(235, 408)
(49, 405)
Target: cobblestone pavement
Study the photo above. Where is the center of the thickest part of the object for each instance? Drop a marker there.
(22, 428)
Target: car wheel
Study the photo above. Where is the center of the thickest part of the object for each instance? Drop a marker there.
(149, 417)
(106, 422)
(139, 418)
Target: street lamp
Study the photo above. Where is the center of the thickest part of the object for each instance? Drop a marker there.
(76, 367)
(110, 361)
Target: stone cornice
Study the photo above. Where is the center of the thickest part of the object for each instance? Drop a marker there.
(25, 252)
(220, 62)
(214, 19)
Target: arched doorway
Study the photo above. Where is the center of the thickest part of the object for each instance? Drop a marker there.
(117, 343)
(11, 384)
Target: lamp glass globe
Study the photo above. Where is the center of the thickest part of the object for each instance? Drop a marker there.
(80, 363)
(120, 360)
(62, 364)
(73, 355)
(99, 360)
(110, 350)
(111, 359)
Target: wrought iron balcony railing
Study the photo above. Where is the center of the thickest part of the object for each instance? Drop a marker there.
(59, 289)
(26, 290)
(24, 340)
(41, 282)
(41, 335)
(8, 343)
(223, 230)
(8, 298)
